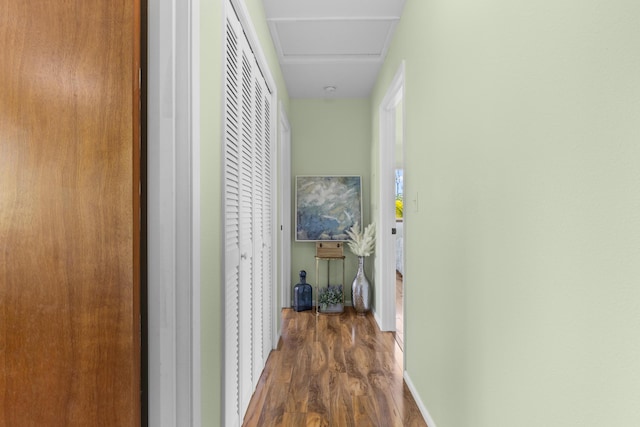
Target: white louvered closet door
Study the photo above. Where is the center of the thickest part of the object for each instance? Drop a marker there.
(247, 237)
(248, 222)
(263, 230)
(268, 220)
(233, 124)
(258, 209)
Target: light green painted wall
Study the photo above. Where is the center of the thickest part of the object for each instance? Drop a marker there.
(211, 81)
(330, 137)
(523, 257)
(211, 57)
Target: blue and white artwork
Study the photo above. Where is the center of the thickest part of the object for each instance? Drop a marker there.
(327, 206)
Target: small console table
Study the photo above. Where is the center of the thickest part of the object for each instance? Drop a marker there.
(329, 251)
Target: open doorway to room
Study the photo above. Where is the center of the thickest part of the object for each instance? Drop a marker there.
(399, 255)
(391, 231)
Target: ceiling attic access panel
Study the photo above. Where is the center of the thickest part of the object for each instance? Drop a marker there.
(334, 43)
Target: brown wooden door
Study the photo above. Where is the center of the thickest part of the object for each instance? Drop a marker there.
(69, 213)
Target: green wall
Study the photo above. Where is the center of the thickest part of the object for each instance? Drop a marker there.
(211, 57)
(330, 137)
(211, 93)
(523, 256)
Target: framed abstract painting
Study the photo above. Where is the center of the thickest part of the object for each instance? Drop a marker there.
(327, 206)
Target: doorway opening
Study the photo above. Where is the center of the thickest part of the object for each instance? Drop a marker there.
(391, 215)
(399, 254)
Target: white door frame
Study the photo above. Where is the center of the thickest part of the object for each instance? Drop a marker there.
(284, 171)
(386, 246)
(173, 213)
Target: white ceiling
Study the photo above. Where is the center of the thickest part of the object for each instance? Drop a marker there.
(337, 43)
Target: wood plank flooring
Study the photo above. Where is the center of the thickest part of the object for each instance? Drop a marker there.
(333, 370)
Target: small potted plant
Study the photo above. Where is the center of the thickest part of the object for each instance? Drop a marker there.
(330, 299)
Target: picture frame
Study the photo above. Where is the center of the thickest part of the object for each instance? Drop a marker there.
(326, 207)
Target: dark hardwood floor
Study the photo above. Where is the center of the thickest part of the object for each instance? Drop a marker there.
(333, 370)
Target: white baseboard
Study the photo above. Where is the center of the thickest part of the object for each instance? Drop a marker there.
(416, 397)
(376, 316)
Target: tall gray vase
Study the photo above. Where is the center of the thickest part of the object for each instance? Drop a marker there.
(361, 290)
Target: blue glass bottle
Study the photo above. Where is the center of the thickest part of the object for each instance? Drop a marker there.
(302, 294)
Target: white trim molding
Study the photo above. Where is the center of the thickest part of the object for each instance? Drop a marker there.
(385, 243)
(173, 214)
(423, 409)
(194, 91)
(284, 171)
